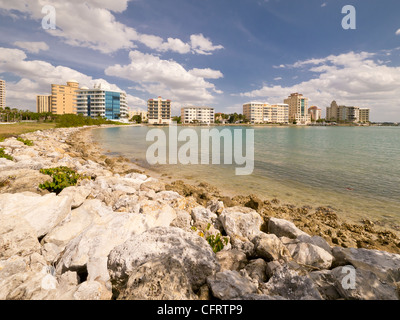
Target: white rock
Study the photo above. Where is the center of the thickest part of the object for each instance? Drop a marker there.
(78, 195)
(284, 228)
(311, 255)
(269, 247)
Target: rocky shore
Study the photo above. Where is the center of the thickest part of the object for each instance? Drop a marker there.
(126, 234)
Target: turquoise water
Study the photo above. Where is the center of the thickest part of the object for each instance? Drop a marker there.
(354, 170)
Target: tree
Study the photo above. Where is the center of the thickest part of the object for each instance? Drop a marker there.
(177, 119)
(137, 118)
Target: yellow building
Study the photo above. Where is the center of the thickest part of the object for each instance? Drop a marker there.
(2, 94)
(43, 103)
(63, 97)
(254, 111)
(364, 115)
(298, 109)
(262, 112)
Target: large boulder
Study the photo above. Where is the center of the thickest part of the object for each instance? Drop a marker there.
(228, 285)
(78, 195)
(22, 180)
(163, 278)
(310, 255)
(43, 213)
(241, 223)
(269, 247)
(192, 251)
(284, 228)
(384, 264)
(231, 260)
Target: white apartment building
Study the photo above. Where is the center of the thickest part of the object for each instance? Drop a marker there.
(262, 112)
(2, 94)
(204, 115)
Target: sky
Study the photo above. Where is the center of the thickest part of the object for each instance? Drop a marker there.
(217, 53)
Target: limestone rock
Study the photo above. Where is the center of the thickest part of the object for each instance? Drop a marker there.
(234, 260)
(284, 228)
(78, 195)
(201, 214)
(269, 247)
(310, 255)
(192, 251)
(20, 180)
(257, 269)
(92, 290)
(227, 285)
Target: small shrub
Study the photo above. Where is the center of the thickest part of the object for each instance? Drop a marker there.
(63, 177)
(5, 155)
(26, 142)
(217, 242)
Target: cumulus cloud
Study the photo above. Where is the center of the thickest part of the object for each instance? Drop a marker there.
(32, 47)
(92, 24)
(36, 77)
(351, 78)
(167, 78)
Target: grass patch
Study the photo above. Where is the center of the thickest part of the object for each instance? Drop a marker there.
(5, 155)
(63, 177)
(26, 142)
(73, 120)
(16, 129)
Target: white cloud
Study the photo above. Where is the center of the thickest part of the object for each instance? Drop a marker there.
(37, 76)
(92, 24)
(324, 4)
(167, 78)
(351, 78)
(203, 45)
(278, 78)
(32, 47)
(398, 32)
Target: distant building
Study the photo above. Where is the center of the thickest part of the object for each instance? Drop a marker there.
(98, 102)
(43, 103)
(298, 109)
(203, 115)
(138, 112)
(159, 111)
(2, 94)
(263, 112)
(315, 113)
(347, 114)
(63, 97)
(220, 118)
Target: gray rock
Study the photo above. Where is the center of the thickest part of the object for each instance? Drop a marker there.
(326, 284)
(317, 241)
(201, 214)
(284, 228)
(192, 251)
(269, 247)
(227, 285)
(182, 220)
(257, 270)
(289, 284)
(385, 265)
(92, 290)
(163, 278)
(234, 260)
(310, 255)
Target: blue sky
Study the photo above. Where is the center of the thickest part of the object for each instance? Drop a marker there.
(219, 53)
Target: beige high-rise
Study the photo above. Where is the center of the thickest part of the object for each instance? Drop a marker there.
(159, 111)
(63, 97)
(298, 108)
(2, 94)
(43, 103)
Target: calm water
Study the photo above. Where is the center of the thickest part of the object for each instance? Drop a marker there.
(354, 170)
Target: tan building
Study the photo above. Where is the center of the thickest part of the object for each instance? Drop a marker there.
(364, 115)
(315, 113)
(159, 111)
(203, 115)
(262, 112)
(277, 113)
(298, 109)
(43, 103)
(2, 94)
(254, 111)
(138, 112)
(63, 97)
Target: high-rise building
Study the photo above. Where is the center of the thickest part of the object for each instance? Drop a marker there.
(2, 94)
(159, 111)
(43, 103)
(364, 115)
(203, 115)
(63, 97)
(347, 114)
(315, 113)
(263, 112)
(98, 102)
(298, 109)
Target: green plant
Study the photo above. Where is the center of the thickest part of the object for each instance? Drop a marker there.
(26, 142)
(5, 155)
(63, 177)
(217, 242)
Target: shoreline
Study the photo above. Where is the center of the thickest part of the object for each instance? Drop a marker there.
(348, 233)
(119, 233)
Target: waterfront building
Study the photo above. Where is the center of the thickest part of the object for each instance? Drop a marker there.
(298, 109)
(347, 114)
(204, 115)
(138, 112)
(98, 102)
(43, 103)
(315, 113)
(2, 94)
(263, 112)
(159, 111)
(63, 97)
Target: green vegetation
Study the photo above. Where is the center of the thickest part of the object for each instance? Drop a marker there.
(177, 119)
(217, 242)
(26, 142)
(73, 120)
(63, 177)
(136, 119)
(5, 155)
(16, 129)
